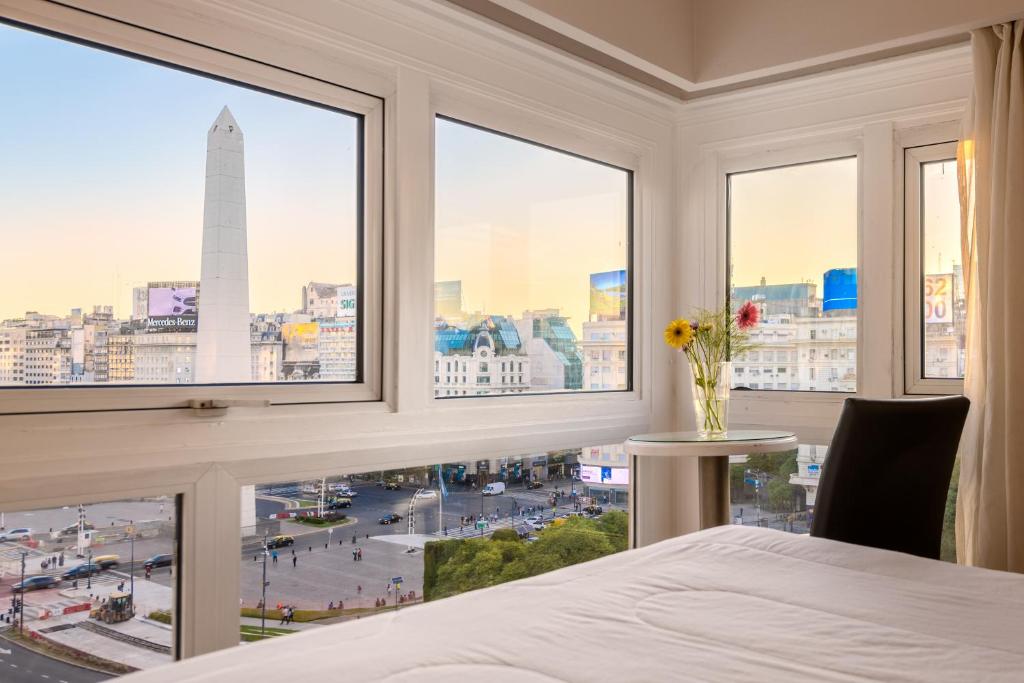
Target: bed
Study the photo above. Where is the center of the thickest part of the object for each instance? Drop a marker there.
(731, 603)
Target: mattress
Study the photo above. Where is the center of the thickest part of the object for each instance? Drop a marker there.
(731, 603)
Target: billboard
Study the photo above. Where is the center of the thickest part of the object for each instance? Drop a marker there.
(347, 301)
(840, 290)
(938, 298)
(608, 295)
(300, 342)
(172, 309)
(595, 474)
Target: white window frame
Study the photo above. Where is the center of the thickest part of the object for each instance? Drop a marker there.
(169, 52)
(936, 143)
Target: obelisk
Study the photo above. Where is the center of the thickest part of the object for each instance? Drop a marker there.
(223, 344)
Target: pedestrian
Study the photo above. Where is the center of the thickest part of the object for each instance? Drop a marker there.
(295, 561)
(310, 548)
(354, 553)
(341, 605)
(149, 572)
(353, 539)
(60, 562)
(293, 552)
(360, 554)
(284, 616)
(273, 556)
(445, 529)
(359, 589)
(330, 606)
(389, 589)
(367, 537)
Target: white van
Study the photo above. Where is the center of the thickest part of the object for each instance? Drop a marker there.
(494, 489)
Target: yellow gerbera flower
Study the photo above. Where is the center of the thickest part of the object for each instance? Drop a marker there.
(678, 333)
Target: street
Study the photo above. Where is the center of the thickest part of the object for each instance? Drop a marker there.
(21, 665)
(321, 575)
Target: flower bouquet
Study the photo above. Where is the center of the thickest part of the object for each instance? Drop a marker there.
(709, 339)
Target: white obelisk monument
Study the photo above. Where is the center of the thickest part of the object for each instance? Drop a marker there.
(223, 346)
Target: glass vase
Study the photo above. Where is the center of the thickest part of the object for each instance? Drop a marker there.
(709, 385)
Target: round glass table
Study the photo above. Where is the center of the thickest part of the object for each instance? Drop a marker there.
(713, 454)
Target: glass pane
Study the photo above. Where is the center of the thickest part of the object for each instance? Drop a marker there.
(162, 227)
(342, 548)
(91, 589)
(793, 252)
(531, 258)
(944, 312)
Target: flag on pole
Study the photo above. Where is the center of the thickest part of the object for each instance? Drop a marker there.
(440, 478)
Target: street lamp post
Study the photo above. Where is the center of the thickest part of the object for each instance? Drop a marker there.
(131, 563)
(88, 571)
(21, 600)
(263, 600)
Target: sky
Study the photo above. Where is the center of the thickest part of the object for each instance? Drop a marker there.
(940, 217)
(102, 173)
(791, 224)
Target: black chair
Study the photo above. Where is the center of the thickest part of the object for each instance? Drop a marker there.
(887, 473)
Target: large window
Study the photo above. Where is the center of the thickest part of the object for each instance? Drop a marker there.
(793, 252)
(163, 227)
(935, 303)
(341, 548)
(532, 257)
(90, 589)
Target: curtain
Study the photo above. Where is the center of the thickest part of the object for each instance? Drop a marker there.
(990, 163)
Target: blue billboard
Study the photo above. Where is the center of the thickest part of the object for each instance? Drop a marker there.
(840, 290)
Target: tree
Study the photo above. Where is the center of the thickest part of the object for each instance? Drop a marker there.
(947, 550)
(780, 494)
(615, 525)
(457, 566)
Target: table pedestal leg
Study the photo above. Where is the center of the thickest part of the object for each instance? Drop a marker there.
(714, 491)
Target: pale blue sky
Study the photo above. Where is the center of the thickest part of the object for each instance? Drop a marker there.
(102, 166)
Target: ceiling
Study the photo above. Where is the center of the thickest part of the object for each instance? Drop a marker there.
(692, 48)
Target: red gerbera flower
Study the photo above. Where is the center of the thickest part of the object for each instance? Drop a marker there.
(747, 316)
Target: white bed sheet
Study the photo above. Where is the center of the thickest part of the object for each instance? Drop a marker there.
(726, 604)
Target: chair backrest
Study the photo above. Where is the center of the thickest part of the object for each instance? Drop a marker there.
(887, 473)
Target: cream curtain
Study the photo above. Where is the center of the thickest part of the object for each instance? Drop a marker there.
(990, 160)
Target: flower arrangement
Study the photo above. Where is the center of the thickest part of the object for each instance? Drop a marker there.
(707, 340)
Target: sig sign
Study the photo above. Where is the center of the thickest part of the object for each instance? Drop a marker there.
(938, 298)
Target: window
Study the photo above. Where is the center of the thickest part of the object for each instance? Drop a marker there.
(508, 213)
(119, 558)
(191, 194)
(935, 307)
(332, 547)
(793, 252)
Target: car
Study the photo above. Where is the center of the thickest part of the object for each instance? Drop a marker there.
(390, 519)
(427, 493)
(535, 485)
(22, 534)
(107, 561)
(35, 583)
(72, 530)
(494, 489)
(338, 503)
(162, 560)
(593, 509)
(535, 523)
(392, 486)
(280, 541)
(81, 571)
